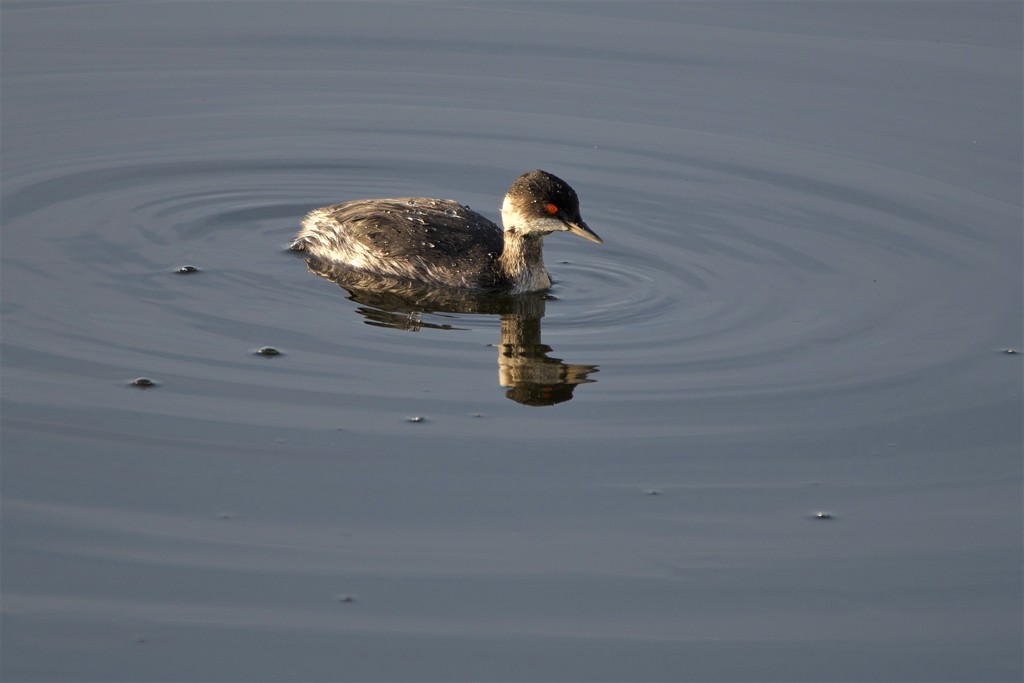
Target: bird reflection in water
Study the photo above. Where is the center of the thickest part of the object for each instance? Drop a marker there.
(532, 377)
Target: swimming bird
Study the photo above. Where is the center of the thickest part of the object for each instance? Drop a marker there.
(442, 243)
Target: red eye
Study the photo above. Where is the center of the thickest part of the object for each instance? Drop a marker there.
(551, 208)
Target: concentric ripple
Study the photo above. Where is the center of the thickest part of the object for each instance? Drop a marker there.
(727, 282)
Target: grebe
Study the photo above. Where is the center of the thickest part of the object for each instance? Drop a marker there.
(441, 243)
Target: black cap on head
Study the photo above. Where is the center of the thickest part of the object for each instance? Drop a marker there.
(545, 194)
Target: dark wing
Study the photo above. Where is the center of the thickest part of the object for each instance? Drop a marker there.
(412, 228)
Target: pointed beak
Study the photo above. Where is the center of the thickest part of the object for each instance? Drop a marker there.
(580, 228)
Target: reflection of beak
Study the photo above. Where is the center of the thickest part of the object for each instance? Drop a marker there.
(580, 228)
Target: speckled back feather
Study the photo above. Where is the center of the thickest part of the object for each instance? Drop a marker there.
(436, 241)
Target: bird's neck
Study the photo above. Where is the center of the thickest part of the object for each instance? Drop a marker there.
(522, 261)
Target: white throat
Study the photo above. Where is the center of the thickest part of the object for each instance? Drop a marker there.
(509, 215)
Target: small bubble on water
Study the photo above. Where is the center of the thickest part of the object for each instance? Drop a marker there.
(185, 270)
(143, 382)
(267, 351)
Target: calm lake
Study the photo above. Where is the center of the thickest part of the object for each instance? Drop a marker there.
(770, 430)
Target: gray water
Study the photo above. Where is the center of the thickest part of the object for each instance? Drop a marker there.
(810, 280)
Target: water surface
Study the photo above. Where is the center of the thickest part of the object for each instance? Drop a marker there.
(810, 278)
